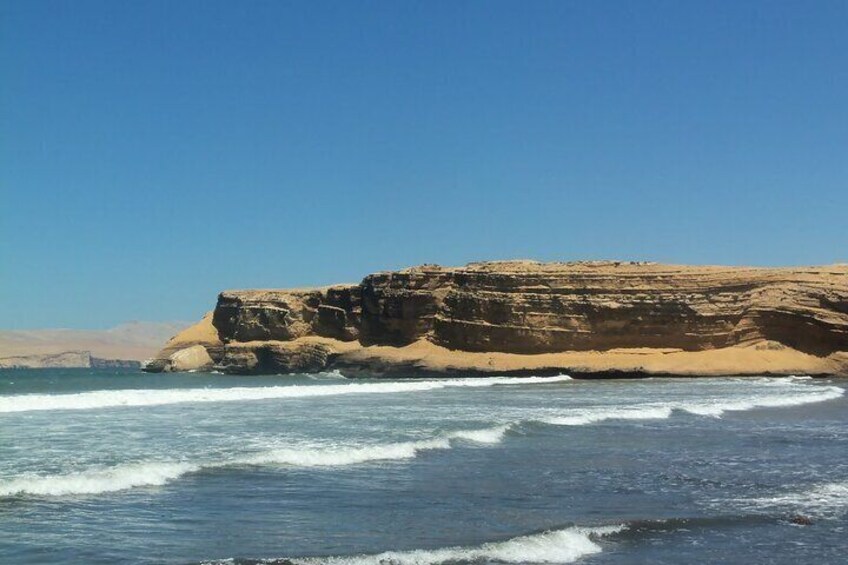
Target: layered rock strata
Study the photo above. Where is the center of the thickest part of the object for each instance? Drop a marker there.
(586, 318)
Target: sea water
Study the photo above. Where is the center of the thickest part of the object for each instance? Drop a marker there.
(106, 466)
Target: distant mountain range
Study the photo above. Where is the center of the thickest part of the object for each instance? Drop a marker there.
(130, 342)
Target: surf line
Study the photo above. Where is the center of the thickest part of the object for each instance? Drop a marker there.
(564, 545)
(157, 397)
(158, 473)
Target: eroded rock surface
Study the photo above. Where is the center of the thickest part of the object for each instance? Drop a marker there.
(194, 358)
(789, 318)
(181, 354)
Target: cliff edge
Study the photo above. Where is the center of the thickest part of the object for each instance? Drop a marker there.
(598, 319)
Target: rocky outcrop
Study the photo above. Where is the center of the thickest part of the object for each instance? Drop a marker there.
(299, 356)
(509, 316)
(283, 315)
(193, 358)
(196, 348)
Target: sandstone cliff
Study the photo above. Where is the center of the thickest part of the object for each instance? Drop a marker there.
(585, 318)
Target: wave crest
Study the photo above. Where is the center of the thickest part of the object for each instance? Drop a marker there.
(335, 457)
(822, 500)
(117, 478)
(801, 394)
(590, 416)
(809, 395)
(156, 397)
(157, 473)
(554, 546)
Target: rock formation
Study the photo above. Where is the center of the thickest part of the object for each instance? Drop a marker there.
(584, 318)
(181, 352)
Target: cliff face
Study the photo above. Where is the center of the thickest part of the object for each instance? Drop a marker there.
(283, 315)
(529, 309)
(546, 308)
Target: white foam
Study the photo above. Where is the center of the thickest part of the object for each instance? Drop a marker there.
(156, 397)
(490, 381)
(117, 478)
(488, 435)
(819, 500)
(794, 394)
(334, 374)
(583, 417)
(556, 546)
(797, 395)
(340, 456)
(127, 476)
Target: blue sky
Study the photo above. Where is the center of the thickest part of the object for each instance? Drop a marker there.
(155, 153)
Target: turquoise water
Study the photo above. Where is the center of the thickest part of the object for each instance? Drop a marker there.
(118, 466)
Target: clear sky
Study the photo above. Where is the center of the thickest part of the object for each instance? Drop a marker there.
(155, 153)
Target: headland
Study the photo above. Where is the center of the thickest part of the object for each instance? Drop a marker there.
(590, 319)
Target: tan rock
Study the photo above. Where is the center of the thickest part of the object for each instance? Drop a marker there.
(203, 333)
(605, 318)
(194, 358)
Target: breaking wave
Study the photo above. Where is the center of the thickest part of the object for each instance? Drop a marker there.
(819, 500)
(583, 417)
(487, 435)
(555, 546)
(117, 478)
(561, 545)
(797, 395)
(155, 473)
(335, 457)
(127, 476)
(156, 397)
(802, 394)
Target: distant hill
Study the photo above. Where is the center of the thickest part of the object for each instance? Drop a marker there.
(132, 341)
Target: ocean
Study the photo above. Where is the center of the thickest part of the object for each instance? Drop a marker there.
(118, 466)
